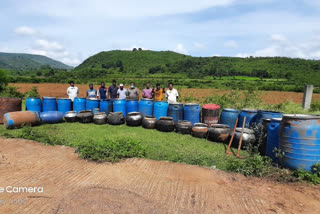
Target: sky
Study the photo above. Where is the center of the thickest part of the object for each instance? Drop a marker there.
(72, 30)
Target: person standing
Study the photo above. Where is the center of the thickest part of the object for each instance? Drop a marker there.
(147, 92)
(158, 93)
(133, 93)
(172, 94)
(91, 93)
(102, 93)
(72, 91)
(113, 90)
(122, 92)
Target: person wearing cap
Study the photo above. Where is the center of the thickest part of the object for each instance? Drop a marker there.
(158, 93)
(72, 91)
(102, 92)
(132, 93)
(122, 92)
(147, 92)
(113, 90)
(172, 94)
(91, 93)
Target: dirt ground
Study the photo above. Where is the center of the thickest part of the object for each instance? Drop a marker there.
(59, 90)
(73, 185)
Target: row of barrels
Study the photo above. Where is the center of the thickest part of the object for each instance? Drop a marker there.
(146, 107)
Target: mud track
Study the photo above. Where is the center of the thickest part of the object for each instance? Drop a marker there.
(73, 185)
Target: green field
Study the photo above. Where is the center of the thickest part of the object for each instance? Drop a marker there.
(159, 146)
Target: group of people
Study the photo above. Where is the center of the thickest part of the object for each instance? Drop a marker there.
(114, 92)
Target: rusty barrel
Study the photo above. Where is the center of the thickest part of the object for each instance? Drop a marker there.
(9, 105)
(19, 118)
(210, 114)
(299, 139)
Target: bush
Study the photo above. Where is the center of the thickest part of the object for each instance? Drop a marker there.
(33, 92)
(312, 177)
(254, 165)
(111, 150)
(11, 91)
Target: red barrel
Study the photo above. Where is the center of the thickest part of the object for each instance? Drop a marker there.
(9, 105)
(210, 114)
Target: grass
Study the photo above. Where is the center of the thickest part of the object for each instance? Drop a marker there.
(159, 146)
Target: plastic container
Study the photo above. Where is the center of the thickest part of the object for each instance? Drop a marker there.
(210, 114)
(64, 105)
(18, 118)
(146, 107)
(33, 104)
(192, 112)
(175, 111)
(106, 106)
(51, 117)
(79, 104)
(229, 117)
(49, 104)
(119, 105)
(160, 109)
(132, 106)
(273, 138)
(249, 114)
(92, 103)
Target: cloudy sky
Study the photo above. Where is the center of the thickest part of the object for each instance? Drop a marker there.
(72, 30)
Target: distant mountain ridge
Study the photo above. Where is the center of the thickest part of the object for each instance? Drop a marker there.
(27, 62)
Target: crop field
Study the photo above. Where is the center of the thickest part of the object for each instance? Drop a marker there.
(59, 90)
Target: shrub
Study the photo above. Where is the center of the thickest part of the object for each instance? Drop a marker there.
(307, 176)
(11, 91)
(111, 150)
(254, 165)
(33, 92)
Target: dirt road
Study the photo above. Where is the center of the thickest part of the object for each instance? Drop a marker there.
(59, 90)
(73, 185)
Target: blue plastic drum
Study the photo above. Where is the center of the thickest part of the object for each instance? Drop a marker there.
(160, 109)
(33, 104)
(175, 111)
(79, 104)
(249, 114)
(192, 112)
(261, 114)
(49, 104)
(146, 107)
(106, 106)
(273, 138)
(229, 117)
(51, 117)
(132, 106)
(119, 105)
(299, 139)
(64, 105)
(92, 103)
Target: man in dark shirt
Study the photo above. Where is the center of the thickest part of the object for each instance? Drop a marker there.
(102, 93)
(112, 90)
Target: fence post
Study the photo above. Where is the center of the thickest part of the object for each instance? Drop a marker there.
(307, 97)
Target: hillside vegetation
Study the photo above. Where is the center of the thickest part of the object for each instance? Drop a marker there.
(140, 66)
(27, 62)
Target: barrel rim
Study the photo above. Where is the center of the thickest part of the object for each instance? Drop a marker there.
(165, 118)
(146, 99)
(35, 98)
(161, 102)
(269, 111)
(131, 100)
(191, 104)
(231, 109)
(49, 98)
(300, 116)
(133, 113)
(276, 119)
(93, 99)
(117, 99)
(245, 130)
(219, 126)
(80, 98)
(252, 110)
(175, 104)
(200, 125)
(63, 99)
(211, 106)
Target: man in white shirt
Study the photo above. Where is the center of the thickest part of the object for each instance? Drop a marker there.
(72, 91)
(172, 94)
(122, 92)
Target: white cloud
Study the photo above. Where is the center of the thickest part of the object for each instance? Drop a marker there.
(280, 45)
(180, 49)
(231, 44)
(25, 31)
(120, 8)
(198, 45)
(47, 45)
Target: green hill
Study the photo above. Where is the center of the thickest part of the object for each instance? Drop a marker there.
(26, 62)
(167, 62)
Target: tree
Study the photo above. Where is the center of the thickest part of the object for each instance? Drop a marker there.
(3, 80)
(140, 49)
(134, 49)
